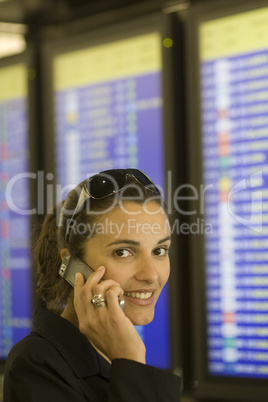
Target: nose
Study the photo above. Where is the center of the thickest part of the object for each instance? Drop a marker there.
(147, 270)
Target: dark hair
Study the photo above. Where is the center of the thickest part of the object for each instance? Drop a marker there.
(51, 287)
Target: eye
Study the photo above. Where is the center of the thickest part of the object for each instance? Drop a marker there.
(161, 251)
(122, 253)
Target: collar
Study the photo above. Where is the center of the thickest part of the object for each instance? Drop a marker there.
(74, 347)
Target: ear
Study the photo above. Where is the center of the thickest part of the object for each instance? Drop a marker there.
(63, 252)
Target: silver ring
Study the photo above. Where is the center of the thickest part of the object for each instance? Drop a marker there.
(98, 301)
(101, 304)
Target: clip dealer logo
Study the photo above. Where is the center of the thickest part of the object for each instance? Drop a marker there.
(238, 202)
(245, 201)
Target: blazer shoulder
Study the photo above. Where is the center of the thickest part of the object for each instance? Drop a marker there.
(32, 348)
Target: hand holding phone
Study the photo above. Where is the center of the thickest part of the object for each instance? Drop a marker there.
(108, 329)
(70, 266)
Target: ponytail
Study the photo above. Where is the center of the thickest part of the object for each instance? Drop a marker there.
(51, 287)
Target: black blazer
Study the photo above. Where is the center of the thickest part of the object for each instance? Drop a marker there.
(57, 363)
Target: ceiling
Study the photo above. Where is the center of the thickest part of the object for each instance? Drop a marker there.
(24, 11)
(51, 11)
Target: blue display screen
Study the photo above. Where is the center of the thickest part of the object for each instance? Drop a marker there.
(15, 261)
(110, 115)
(234, 92)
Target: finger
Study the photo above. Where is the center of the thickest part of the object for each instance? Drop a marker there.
(112, 297)
(79, 281)
(103, 287)
(94, 278)
(78, 286)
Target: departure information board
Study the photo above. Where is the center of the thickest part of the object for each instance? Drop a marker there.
(15, 262)
(234, 99)
(108, 114)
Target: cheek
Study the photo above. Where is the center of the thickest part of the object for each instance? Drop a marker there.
(118, 275)
(165, 274)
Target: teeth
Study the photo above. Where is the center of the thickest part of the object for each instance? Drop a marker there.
(139, 295)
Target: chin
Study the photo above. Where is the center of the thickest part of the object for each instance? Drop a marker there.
(142, 319)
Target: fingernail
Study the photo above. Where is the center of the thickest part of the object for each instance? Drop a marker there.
(100, 268)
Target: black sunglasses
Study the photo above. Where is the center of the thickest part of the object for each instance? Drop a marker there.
(105, 184)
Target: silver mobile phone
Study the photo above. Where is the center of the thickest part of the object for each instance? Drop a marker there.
(70, 266)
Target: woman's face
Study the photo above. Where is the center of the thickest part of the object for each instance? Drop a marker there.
(133, 246)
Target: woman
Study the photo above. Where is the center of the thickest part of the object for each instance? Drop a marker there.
(84, 346)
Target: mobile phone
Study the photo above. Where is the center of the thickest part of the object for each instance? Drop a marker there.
(70, 266)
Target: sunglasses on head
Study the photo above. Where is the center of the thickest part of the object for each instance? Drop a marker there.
(105, 184)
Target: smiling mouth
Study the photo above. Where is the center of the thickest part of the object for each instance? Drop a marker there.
(139, 295)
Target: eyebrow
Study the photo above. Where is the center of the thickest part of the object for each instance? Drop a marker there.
(135, 243)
